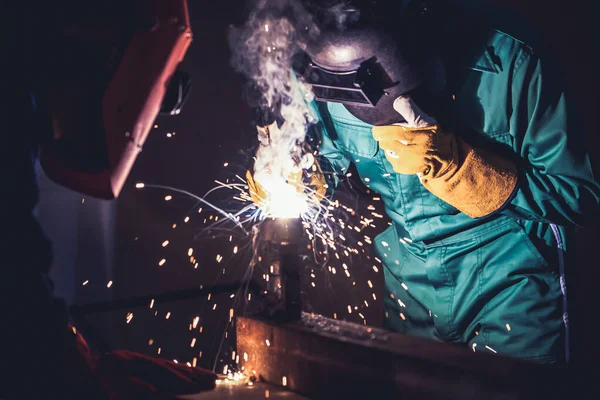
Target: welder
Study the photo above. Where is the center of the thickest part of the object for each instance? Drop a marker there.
(467, 134)
(83, 83)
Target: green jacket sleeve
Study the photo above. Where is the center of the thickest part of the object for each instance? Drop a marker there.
(556, 183)
(332, 160)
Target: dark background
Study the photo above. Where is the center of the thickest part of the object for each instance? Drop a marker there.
(100, 241)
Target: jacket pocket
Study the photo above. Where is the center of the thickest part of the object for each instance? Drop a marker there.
(356, 140)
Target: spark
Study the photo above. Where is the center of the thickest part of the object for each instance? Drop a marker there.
(129, 317)
(190, 252)
(85, 283)
(473, 347)
(490, 349)
(404, 286)
(370, 283)
(284, 381)
(186, 219)
(508, 327)
(193, 343)
(168, 197)
(139, 185)
(109, 284)
(165, 243)
(162, 262)
(168, 315)
(151, 303)
(235, 250)
(195, 322)
(403, 316)
(267, 342)
(225, 164)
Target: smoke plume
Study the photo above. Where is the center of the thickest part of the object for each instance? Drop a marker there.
(263, 50)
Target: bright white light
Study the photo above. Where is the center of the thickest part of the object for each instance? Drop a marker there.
(283, 200)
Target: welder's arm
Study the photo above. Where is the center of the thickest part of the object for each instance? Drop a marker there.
(333, 162)
(556, 183)
(474, 180)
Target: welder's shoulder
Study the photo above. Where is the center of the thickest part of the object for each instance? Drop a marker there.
(508, 50)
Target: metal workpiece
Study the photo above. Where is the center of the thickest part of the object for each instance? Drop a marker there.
(282, 231)
(325, 358)
(279, 255)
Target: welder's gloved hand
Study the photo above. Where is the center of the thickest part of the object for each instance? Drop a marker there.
(307, 178)
(471, 179)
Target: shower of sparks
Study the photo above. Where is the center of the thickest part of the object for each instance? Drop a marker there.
(335, 232)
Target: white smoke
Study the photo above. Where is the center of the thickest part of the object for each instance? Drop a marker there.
(263, 50)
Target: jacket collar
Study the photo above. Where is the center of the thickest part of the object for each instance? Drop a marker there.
(481, 58)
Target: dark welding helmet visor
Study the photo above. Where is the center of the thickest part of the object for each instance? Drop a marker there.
(363, 58)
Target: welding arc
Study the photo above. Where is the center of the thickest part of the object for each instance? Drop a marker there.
(165, 297)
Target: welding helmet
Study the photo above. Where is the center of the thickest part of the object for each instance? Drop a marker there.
(365, 54)
(111, 75)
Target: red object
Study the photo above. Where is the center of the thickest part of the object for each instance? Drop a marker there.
(125, 375)
(129, 102)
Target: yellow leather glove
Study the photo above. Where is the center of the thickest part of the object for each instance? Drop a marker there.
(309, 171)
(473, 180)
